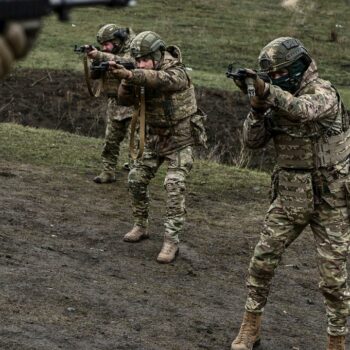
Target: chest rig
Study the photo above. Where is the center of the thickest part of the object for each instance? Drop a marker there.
(311, 145)
(167, 109)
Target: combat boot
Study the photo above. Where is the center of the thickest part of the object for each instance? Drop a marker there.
(136, 234)
(336, 342)
(168, 252)
(249, 333)
(105, 177)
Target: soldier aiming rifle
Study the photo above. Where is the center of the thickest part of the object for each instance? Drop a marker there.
(309, 126)
(115, 46)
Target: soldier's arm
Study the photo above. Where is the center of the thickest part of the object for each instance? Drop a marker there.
(255, 133)
(102, 56)
(172, 79)
(321, 103)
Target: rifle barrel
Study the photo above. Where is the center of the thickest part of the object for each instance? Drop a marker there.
(34, 9)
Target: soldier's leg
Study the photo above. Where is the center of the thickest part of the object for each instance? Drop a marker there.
(332, 236)
(287, 216)
(115, 134)
(179, 165)
(116, 130)
(279, 231)
(140, 175)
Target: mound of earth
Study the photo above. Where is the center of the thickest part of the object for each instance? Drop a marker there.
(59, 100)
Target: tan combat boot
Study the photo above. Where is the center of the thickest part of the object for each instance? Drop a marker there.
(105, 177)
(136, 234)
(249, 333)
(169, 252)
(336, 342)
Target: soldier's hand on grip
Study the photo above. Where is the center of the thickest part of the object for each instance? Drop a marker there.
(119, 71)
(248, 80)
(249, 76)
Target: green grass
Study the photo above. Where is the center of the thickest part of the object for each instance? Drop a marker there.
(48, 147)
(44, 147)
(211, 34)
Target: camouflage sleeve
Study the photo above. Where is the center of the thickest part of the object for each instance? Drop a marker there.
(255, 133)
(106, 56)
(321, 103)
(171, 79)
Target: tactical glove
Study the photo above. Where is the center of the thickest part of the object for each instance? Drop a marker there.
(241, 81)
(120, 71)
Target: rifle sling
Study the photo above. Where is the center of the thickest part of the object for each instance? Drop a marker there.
(98, 89)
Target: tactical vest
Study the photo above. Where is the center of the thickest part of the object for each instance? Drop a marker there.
(310, 147)
(165, 110)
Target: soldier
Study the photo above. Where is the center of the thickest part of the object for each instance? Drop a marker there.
(171, 113)
(115, 43)
(308, 123)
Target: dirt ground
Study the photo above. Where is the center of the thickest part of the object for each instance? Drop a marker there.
(68, 281)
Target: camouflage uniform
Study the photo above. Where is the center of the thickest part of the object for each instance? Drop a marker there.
(170, 111)
(311, 134)
(118, 117)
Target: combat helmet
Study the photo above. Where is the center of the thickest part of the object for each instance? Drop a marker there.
(281, 53)
(118, 36)
(147, 44)
(289, 53)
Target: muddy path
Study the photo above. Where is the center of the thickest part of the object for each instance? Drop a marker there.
(68, 281)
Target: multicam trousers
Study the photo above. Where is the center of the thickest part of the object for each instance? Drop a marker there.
(179, 165)
(118, 120)
(299, 201)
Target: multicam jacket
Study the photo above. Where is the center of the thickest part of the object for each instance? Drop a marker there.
(170, 102)
(310, 129)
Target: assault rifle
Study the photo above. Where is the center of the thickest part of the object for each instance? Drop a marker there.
(85, 48)
(246, 78)
(104, 66)
(20, 10)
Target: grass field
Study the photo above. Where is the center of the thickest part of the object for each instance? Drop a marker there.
(58, 149)
(211, 34)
